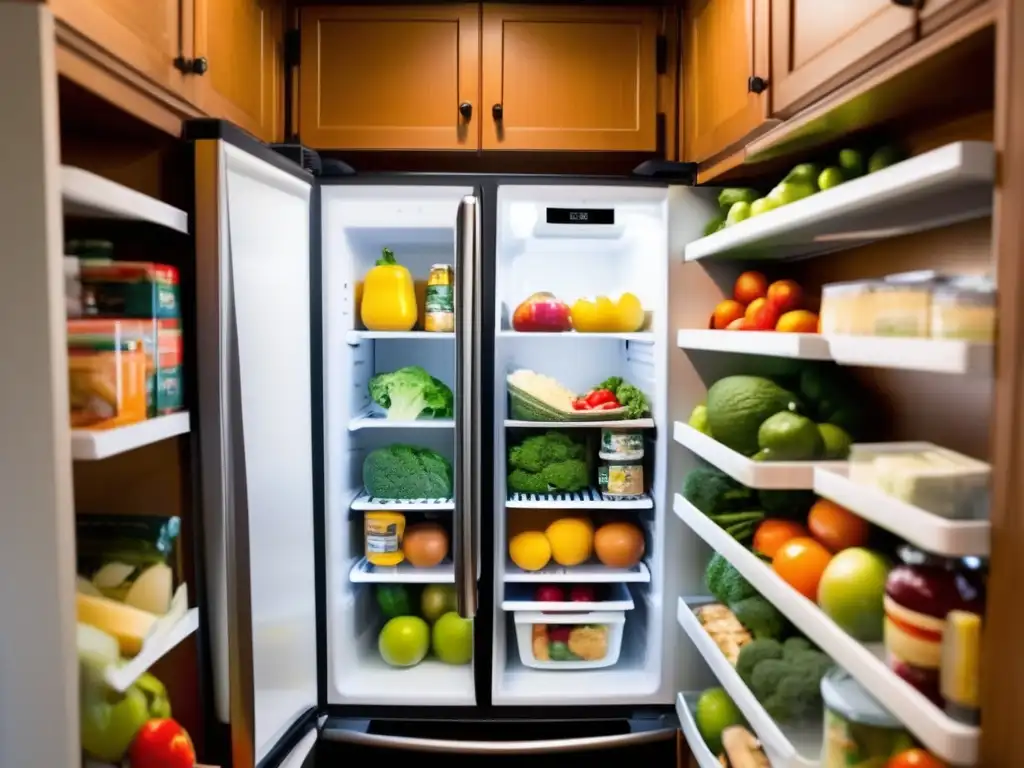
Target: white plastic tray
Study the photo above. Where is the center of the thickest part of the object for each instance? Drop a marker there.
(524, 621)
(519, 597)
(932, 355)
(365, 572)
(364, 502)
(592, 498)
(374, 420)
(802, 346)
(620, 424)
(95, 444)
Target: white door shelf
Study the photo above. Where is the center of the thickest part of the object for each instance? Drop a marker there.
(686, 708)
(588, 572)
(930, 532)
(620, 424)
(87, 195)
(94, 444)
(949, 739)
(355, 338)
(367, 503)
(802, 346)
(765, 475)
(365, 572)
(786, 747)
(164, 639)
(949, 184)
(592, 498)
(932, 355)
(378, 421)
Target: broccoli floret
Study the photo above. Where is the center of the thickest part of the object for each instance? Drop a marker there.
(785, 678)
(792, 505)
(795, 645)
(759, 616)
(407, 472)
(753, 654)
(410, 393)
(568, 475)
(547, 462)
(726, 583)
(521, 481)
(714, 493)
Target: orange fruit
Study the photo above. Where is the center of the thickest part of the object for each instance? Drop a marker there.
(837, 527)
(915, 758)
(619, 545)
(749, 286)
(571, 540)
(798, 321)
(785, 295)
(726, 312)
(530, 550)
(736, 325)
(772, 534)
(753, 307)
(800, 563)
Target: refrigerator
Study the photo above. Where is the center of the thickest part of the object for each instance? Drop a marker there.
(285, 421)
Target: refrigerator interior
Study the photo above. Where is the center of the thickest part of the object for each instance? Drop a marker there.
(418, 224)
(573, 261)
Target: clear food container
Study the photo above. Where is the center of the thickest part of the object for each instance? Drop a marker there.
(937, 480)
(901, 308)
(569, 640)
(964, 308)
(845, 308)
(858, 730)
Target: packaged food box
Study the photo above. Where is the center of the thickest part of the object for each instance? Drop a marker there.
(965, 308)
(138, 289)
(106, 381)
(569, 640)
(163, 346)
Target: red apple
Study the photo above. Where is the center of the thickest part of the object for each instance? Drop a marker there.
(542, 312)
(549, 593)
(558, 633)
(583, 593)
(162, 743)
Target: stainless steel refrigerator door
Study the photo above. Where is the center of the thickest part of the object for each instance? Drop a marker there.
(255, 431)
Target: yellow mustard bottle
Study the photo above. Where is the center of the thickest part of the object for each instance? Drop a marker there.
(389, 297)
(383, 532)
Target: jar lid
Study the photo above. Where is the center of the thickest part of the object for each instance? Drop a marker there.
(441, 266)
(846, 697)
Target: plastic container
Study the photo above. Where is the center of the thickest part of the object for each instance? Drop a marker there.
(964, 308)
(902, 308)
(106, 381)
(621, 445)
(858, 730)
(845, 308)
(621, 479)
(383, 532)
(937, 480)
(597, 631)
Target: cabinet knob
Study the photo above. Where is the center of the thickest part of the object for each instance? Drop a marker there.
(907, 3)
(756, 84)
(497, 111)
(466, 110)
(191, 66)
(200, 65)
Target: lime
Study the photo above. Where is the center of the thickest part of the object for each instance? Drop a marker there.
(837, 441)
(737, 213)
(452, 639)
(787, 192)
(699, 419)
(393, 600)
(716, 712)
(852, 163)
(789, 436)
(732, 195)
(762, 205)
(805, 173)
(436, 600)
(404, 641)
(883, 157)
(714, 225)
(830, 177)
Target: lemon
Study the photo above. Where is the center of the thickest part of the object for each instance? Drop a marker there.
(584, 316)
(630, 313)
(530, 550)
(571, 540)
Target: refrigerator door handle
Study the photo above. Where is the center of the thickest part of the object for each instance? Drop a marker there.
(544, 746)
(468, 402)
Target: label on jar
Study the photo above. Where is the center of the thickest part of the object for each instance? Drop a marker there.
(439, 300)
(383, 540)
(617, 445)
(621, 479)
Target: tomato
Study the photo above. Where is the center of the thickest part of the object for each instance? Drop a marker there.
(579, 404)
(800, 562)
(162, 743)
(837, 527)
(772, 534)
(915, 758)
(600, 397)
(606, 407)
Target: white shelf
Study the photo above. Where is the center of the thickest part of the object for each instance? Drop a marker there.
(765, 475)
(949, 184)
(90, 196)
(364, 502)
(933, 355)
(377, 421)
(156, 646)
(363, 572)
(588, 572)
(592, 498)
(612, 424)
(802, 346)
(354, 338)
(519, 597)
(785, 746)
(952, 538)
(645, 337)
(94, 444)
(686, 708)
(950, 740)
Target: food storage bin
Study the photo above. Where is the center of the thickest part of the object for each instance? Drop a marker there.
(845, 308)
(934, 479)
(901, 308)
(964, 308)
(596, 638)
(858, 730)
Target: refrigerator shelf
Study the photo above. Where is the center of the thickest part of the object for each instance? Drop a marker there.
(355, 338)
(588, 572)
(686, 710)
(620, 424)
(643, 337)
(590, 498)
(364, 502)
(95, 444)
(364, 572)
(378, 421)
(519, 597)
(90, 196)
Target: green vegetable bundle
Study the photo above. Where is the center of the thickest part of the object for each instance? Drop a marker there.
(729, 504)
(728, 587)
(407, 472)
(551, 462)
(628, 395)
(411, 393)
(785, 677)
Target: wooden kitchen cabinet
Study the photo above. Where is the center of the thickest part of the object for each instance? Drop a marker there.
(569, 78)
(818, 46)
(725, 75)
(933, 14)
(391, 77)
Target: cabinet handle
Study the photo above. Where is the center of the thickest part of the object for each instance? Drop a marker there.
(907, 3)
(756, 84)
(466, 110)
(197, 66)
(496, 110)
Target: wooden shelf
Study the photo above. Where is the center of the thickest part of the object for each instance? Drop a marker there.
(87, 195)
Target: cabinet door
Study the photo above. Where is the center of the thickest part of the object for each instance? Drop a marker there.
(242, 44)
(933, 14)
(818, 46)
(393, 77)
(144, 35)
(568, 78)
(725, 45)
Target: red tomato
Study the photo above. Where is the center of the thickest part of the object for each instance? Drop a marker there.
(162, 743)
(600, 397)
(606, 407)
(915, 758)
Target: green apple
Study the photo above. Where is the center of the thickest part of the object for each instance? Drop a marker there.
(716, 712)
(805, 173)
(156, 695)
(762, 205)
(738, 212)
(404, 641)
(452, 639)
(852, 163)
(851, 592)
(108, 721)
(436, 600)
(787, 192)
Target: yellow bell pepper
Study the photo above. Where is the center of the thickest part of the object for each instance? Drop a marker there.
(603, 315)
(389, 296)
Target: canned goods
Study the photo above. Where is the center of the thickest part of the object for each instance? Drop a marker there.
(621, 445)
(440, 299)
(621, 479)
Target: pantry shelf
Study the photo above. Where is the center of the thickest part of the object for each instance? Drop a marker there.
(931, 355)
(592, 498)
(785, 746)
(364, 502)
(87, 195)
(952, 538)
(949, 739)
(645, 337)
(364, 572)
(686, 708)
(95, 444)
(950, 184)
(355, 338)
(764, 475)
(613, 424)
(163, 640)
(802, 346)
(586, 573)
(377, 421)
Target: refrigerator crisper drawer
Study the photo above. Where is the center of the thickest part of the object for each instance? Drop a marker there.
(596, 633)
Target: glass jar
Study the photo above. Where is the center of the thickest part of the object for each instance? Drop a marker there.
(858, 730)
(621, 445)
(621, 479)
